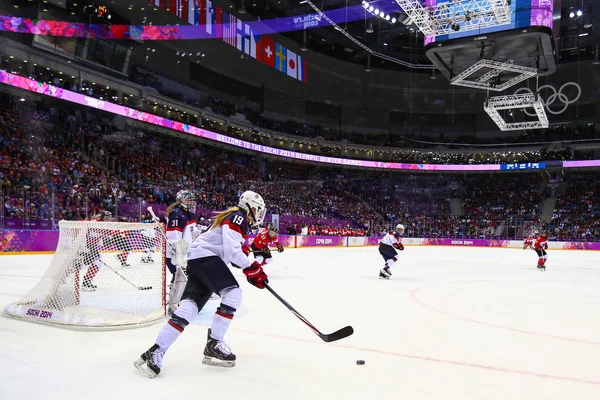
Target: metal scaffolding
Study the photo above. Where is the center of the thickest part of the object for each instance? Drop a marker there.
(496, 68)
(517, 101)
(454, 15)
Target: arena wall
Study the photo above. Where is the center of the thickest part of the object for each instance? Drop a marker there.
(32, 241)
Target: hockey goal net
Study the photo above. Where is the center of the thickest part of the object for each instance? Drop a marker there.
(107, 275)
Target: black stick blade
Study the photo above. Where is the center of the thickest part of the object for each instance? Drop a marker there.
(337, 335)
(145, 288)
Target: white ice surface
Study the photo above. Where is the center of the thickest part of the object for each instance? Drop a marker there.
(452, 323)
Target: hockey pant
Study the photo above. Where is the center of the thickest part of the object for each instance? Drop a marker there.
(389, 254)
(262, 256)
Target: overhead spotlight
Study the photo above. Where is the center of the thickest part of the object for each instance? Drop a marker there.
(371, 8)
(183, 55)
(376, 11)
(365, 5)
(177, 54)
(242, 9)
(387, 17)
(370, 28)
(394, 20)
(579, 13)
(571, 14)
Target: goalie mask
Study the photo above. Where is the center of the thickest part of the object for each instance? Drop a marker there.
(273, 231)
(254, 205)
(187, 200)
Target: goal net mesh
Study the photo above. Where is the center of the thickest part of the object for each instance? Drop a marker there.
(108, 275)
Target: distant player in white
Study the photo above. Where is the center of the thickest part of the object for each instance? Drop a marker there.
(208, 272)
(148, 241)
(202, 225)
(387, 248)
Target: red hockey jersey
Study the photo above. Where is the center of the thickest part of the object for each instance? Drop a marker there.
(263, 239)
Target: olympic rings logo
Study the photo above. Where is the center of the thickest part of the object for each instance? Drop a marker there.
(41, 117)
(556, 95)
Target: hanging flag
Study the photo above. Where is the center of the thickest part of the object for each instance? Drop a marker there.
(280, 58)
(172, 7)
(192, 7)
(268, 51)
(229, 29)
(201, 12)
(182, 9)
(302, 70)
(292, 64)
(256, 46)
(243, 37)
(210, 11)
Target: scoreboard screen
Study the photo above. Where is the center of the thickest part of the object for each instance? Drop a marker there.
(524, 13)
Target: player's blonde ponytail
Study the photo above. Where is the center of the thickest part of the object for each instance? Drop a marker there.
(170, 208)
(221, 216)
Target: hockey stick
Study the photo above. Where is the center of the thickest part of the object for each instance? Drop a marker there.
(332, 337)
(125, 279)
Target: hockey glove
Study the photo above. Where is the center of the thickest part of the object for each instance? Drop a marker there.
(545, 246)
(399, 246)
(280, 248)
(246, 250)
(256, 276)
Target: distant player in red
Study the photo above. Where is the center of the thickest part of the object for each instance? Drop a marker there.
(540, 246)
(260, 245)
(528, 242)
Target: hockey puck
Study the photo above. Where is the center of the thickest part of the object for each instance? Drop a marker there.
(360, 362)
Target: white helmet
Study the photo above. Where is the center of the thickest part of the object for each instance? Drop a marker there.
(254, 205)
(400, 229)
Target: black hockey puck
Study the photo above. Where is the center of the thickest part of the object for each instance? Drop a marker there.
(360, 362)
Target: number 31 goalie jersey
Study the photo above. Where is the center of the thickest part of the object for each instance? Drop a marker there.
(224, 241)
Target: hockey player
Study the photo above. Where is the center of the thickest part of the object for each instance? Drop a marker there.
(540, 246)
(95, 239)
(202, 225)
(387, 248)
(181, 222)
(260, 245)
(208, 272)
(528, 242)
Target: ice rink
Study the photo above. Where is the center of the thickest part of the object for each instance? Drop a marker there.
(452, 323)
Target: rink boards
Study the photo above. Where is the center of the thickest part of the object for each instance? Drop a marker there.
(31, 241)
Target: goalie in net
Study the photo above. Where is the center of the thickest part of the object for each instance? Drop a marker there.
(88, 284)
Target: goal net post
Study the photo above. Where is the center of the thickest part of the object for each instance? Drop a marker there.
(104, 275)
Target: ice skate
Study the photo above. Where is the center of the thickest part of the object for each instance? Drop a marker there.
(123, 261)
(152, 358)
(385, 273)
(145, 260)
(217, 353)
(88, 286)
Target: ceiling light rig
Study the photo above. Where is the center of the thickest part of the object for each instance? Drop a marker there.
(378, 13)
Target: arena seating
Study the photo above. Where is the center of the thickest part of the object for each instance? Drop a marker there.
(83, 165)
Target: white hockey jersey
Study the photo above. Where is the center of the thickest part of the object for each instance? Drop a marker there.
(224, 241)
(391, 238)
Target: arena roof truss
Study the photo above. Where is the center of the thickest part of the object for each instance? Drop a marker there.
(454, 15)
(493, 105)
(496, 68)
